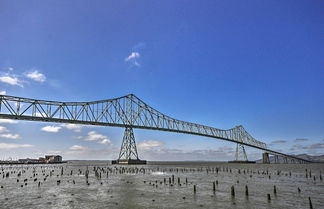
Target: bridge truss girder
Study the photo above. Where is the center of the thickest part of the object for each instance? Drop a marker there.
(123, 111)
(126, 111)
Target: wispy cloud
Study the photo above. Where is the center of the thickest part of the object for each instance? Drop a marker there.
(104, 141)
(73, 127)
(301, 140)
(315, 146)
(312, 149)
(149, 144)
(12, 80)
(94, 136)
(139, 46)
(52, 129)
(278, 142)
(14, 146)
(133, 58)
(10, 136)
(3, 92)
(77, 148)
(221, 153)
(3, 129)
(82, 152)
(36, 76)
(9, 121)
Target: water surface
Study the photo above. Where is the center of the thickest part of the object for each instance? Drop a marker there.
(151, 186)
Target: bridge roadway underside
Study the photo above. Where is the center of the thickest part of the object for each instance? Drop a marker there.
(32, 118)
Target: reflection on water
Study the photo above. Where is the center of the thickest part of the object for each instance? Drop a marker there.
(97, 184)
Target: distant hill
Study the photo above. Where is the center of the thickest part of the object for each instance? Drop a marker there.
(314, 158)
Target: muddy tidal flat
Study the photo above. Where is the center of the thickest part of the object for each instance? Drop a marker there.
(98, 184)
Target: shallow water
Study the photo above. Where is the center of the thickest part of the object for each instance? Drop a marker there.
(144, 187)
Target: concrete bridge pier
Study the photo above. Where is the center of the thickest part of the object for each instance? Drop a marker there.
(276, 159)
(265, 158)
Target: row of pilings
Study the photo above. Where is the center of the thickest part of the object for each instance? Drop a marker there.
(172, 176)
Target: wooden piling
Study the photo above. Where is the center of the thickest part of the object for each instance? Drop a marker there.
(246, 190)
(233, 191)
(275, 189)
(310, 203)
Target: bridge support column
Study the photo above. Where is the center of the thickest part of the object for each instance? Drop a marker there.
(265, 158)
(240, 152)
(128, 151)
(276, 158)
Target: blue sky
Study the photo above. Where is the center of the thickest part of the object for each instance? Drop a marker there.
(217, 63)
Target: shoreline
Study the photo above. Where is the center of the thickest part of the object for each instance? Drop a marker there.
(25, 163)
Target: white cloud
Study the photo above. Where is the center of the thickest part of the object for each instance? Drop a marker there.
(3, 92)
(10, 68)
(133, 58)
(133, 55)
(77, 148)
(53, 129)
(94, 136)
(73, 127)
(9, 121)
(11, 80)
(38, 114)
(148, 144)
(10, 136)
(104, 141)
(36, 76)
(14, 146)
(3, 129)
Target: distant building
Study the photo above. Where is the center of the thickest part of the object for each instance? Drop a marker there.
(46, 159)
(53, 158)
(28, 160)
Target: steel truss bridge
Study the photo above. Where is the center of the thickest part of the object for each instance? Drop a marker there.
(128, 112)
